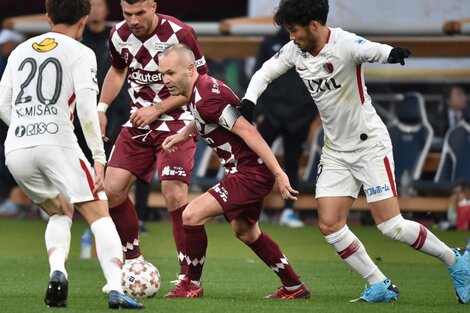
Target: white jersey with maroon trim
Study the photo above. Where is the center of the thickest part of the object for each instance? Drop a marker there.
(44, 74)
(335, 80)
(140, 56)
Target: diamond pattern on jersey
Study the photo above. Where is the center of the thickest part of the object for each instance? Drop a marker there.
(163, 127)
(165, 36)
(278, 266)
(141, 57)
(181, 256)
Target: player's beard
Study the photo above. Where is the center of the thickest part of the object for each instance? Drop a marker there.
(310, 43)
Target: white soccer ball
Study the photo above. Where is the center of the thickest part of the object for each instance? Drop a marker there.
(140, 279)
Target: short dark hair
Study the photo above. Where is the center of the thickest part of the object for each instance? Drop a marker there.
(67, 11)
(301, 12)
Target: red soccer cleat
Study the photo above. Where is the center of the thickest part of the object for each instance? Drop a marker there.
(186, 289)
(282, 293)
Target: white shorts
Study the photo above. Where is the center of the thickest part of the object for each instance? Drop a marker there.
(44, 172)
(343, 173)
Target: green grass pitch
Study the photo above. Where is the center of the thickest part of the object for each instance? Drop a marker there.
(234, 279)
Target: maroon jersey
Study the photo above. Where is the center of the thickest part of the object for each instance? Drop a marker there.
(140, 56)
(208, 104)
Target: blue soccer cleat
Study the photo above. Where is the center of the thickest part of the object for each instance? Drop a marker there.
(384, 291)
(117, 300)
(460, 274)
(57, 290)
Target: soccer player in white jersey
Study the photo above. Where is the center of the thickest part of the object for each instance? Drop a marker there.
(358, 149)
(135, 45)
(46, 77)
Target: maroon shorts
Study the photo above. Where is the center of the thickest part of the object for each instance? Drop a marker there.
(140, 152)
(242, 194)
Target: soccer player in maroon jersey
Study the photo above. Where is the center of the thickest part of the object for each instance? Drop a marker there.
(250, 172)
(135, 44)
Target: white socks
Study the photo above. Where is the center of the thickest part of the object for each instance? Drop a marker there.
(108, 248)
(418, 237)
(352, 251)
(57, 238)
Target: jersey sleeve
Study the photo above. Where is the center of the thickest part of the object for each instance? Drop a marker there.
(189, 38)
(277, 65)
(88, 116)
(114, 57)
(85, 71)
(360, 50)
(211, 109)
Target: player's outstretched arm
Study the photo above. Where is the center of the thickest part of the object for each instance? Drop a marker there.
(398, 55)
(253, 139)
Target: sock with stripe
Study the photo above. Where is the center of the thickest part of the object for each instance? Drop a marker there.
(109, 252)
(352, 251)
(418, 237)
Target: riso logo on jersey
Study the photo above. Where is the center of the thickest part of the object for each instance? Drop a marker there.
(36, 129)
(46, 45)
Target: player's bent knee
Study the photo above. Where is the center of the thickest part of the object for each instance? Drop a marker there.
(246, 237)
(175, 197)
(116, 196)
(392, 228)
(327, 229)
(192, 217)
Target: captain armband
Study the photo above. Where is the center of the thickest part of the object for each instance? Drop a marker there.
(228, 117)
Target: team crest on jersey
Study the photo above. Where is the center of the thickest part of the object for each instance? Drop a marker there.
(328, 67)
(46, 45)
